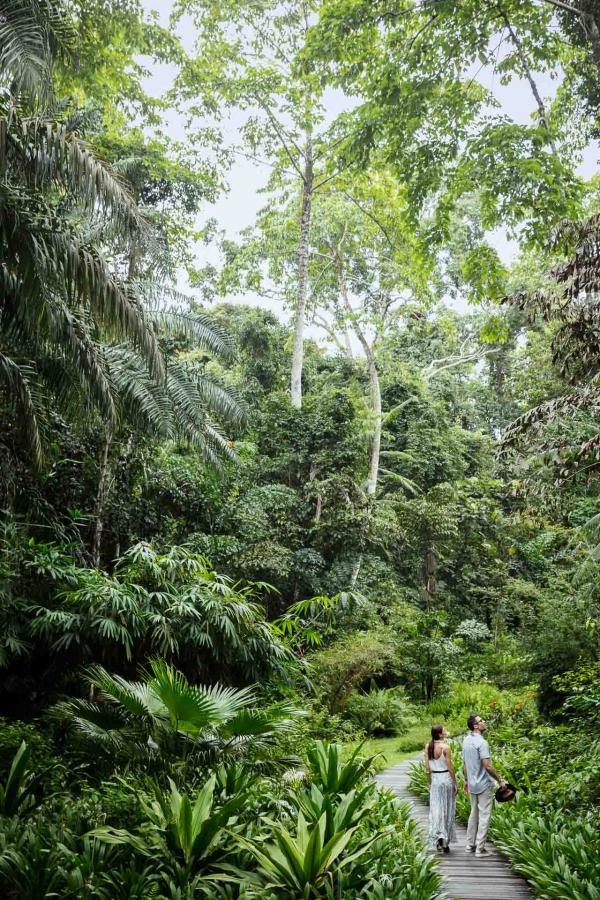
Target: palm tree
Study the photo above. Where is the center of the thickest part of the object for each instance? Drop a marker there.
(59, 297)
(30, 33)
(165, 713)
(76, 331)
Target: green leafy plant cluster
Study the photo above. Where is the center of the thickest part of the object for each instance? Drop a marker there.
(228, 833)
(380, 711)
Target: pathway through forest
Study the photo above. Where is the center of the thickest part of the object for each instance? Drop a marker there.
(465, 877)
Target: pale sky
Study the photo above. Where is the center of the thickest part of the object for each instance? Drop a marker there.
(237, 208)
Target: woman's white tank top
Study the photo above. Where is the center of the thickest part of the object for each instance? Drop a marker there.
(438, 765)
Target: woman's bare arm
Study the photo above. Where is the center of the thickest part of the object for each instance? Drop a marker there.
(450, 764)
(427, 769)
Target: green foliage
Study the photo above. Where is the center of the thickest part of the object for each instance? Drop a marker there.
(164, 714)
(330, 773)
(374, 546)
(558, 861)
(229, 833)
(581, 690)
(17, 794)
(168, 603)
(349, 663)
(380, 711)
(302, 865)
(191, 834)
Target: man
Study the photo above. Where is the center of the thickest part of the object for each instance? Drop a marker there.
(480, 776)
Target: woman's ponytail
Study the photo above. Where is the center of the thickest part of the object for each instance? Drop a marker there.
(436, 735)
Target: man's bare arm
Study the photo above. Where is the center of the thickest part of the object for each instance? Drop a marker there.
(487, 765)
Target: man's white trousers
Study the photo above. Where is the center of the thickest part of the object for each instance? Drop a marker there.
(479, 820)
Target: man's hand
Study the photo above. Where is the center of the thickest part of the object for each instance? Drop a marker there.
(466, 786)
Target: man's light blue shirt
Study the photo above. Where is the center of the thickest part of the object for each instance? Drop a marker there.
(475, 748)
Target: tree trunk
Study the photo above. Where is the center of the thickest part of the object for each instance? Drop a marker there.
(355, 571)
(375, 451)
(348, 343)
(303, 254)
(592, 32)
(430, 564)
(102, 495)
(374, 385)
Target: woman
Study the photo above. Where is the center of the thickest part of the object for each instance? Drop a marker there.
(442, 790)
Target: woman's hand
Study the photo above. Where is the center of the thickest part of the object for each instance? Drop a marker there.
(455, 787)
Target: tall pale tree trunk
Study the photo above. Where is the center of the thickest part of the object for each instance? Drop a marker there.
(348, 344)
(374, 384)
(303, 255)
(375, 450)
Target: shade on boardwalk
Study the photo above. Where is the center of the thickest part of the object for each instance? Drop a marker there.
(465, 876)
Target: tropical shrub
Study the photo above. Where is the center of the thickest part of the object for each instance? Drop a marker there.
(380, 711)
(397, 866)
(17, 794)
(169, 603)
(305, 865)
(559, 854)
(331, 774)
(189, 835)
(37, 736)
(349, 663)
(165, 717)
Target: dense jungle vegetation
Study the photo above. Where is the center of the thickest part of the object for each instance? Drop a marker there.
(273, 504)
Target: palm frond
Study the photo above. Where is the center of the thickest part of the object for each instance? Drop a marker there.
(194, 708)
(170, 309)
(26, 396)
(395, 479)
(141, 399)
(134, 696)
(44, 258)
(25, 54)
(189, 411)
(47, 154)
(99, 723)
(274, 720)
(587, 398)
(224, 401)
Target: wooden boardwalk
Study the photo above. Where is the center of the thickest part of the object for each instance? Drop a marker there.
(465, 877)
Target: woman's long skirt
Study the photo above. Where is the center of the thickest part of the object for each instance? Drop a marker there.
(442, 810)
